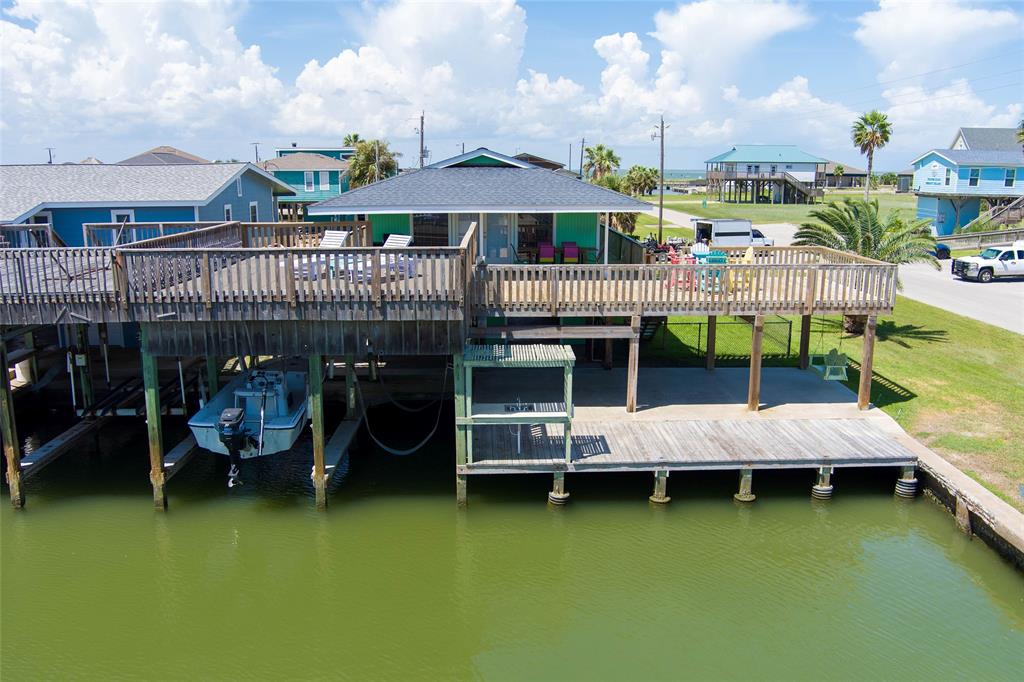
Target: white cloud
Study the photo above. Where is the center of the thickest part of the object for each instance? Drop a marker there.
(900, 32)
(414, 56)
(797, 108)
(97, 66)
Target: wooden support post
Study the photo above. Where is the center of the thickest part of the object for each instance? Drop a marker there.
(754, 386)
(151, 384)
(805, 341)
(372, 361)
(213, 374)
(906, 486)
(709, 361)
(83, 363)
(558, 496)
(866, 362)
(822, 488)
(461, 430)
(660, 488)
(350, 386)
(30, 370)
(9, 432)
(633, 366)
(745, 493)
(316, 410)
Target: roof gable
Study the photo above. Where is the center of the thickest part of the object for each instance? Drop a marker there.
(479, 189)
(481, 157)
(161, 156)
(304, 161)
(991, 139)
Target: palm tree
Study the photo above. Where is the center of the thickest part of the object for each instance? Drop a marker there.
(352, 139)
(601, 161)
(870, 132)
(839, 171)
(1020, 132)
(640, 180)
(372, 161)
(854, 226)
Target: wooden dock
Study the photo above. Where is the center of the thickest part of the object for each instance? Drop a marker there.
(687, 420)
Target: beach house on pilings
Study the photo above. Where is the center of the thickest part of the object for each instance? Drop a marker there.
(977, 179)
(766, 173)
(315, 173)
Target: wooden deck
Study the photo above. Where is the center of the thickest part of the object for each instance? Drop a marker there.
(680, 445)
(258, 271)
(687, 419)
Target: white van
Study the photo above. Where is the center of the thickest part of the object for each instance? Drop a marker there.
(729, 232)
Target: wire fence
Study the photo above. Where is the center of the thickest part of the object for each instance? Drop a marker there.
(685, 342)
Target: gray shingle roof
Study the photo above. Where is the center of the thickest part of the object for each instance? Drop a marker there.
(304, 161)
(996, 139)
(160, 156)
(483, 189)
(24, 189)
(984, 157)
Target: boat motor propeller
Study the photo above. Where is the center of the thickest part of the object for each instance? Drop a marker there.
(233, 434)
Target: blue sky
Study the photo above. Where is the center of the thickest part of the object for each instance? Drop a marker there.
(108, 80)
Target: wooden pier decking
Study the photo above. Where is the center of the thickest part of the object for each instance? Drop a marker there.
(689, 419)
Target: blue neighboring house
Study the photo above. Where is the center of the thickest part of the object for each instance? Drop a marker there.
(982, 164)
(70, 195)
(315, 174)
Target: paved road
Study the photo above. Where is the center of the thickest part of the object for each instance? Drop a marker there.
(1000, 302)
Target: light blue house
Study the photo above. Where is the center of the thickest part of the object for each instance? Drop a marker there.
(68, 196)
(982, 165)
(313, 176)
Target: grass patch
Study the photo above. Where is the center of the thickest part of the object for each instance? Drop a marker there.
(952, 382)
(784, 213)
(648, 225)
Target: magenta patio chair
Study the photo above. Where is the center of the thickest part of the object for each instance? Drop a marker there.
(545, 252)
(570, 252)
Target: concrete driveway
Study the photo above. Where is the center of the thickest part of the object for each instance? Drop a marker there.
(1000, 302)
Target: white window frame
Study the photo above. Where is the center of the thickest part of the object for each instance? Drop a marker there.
(238, 185)
(130, 212)
(254, 217)
(1009, 177)
(42, 214)
(971, 180)
(949, 176)
(325, 180)
(227, 213)
(308, 181)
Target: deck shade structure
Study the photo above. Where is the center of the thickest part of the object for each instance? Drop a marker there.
(499, 356)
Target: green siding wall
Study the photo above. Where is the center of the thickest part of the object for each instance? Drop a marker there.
(577, 227)
(389, 224)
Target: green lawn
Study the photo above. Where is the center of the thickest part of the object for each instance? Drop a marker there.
(783, 213)
(646, 225)
(951, 382)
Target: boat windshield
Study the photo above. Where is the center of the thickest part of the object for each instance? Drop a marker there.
(989, 254)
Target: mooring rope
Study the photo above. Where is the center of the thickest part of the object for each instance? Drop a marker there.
(408, 451)
(406, 408)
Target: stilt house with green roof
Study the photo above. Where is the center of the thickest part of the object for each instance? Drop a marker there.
(766, 173)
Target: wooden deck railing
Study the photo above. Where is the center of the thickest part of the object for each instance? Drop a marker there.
(235, 271)
(661, 289)
(117, 234)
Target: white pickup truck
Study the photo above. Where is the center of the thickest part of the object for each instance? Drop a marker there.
(729, 232)
(996, 261)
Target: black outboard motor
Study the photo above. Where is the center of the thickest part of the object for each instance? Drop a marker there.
(233, 434)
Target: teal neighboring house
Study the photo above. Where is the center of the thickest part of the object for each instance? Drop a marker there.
(315, 173)
(516, 204)
(983, 166)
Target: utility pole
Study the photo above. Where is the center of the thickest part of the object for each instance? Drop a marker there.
(583, 145)
(49, 151)
(660, 135)
(570, 156)
(423, 153)
(256, 146)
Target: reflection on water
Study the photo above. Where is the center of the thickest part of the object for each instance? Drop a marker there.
(394, 582)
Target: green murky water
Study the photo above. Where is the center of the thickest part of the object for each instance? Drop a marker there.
(394, 583)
